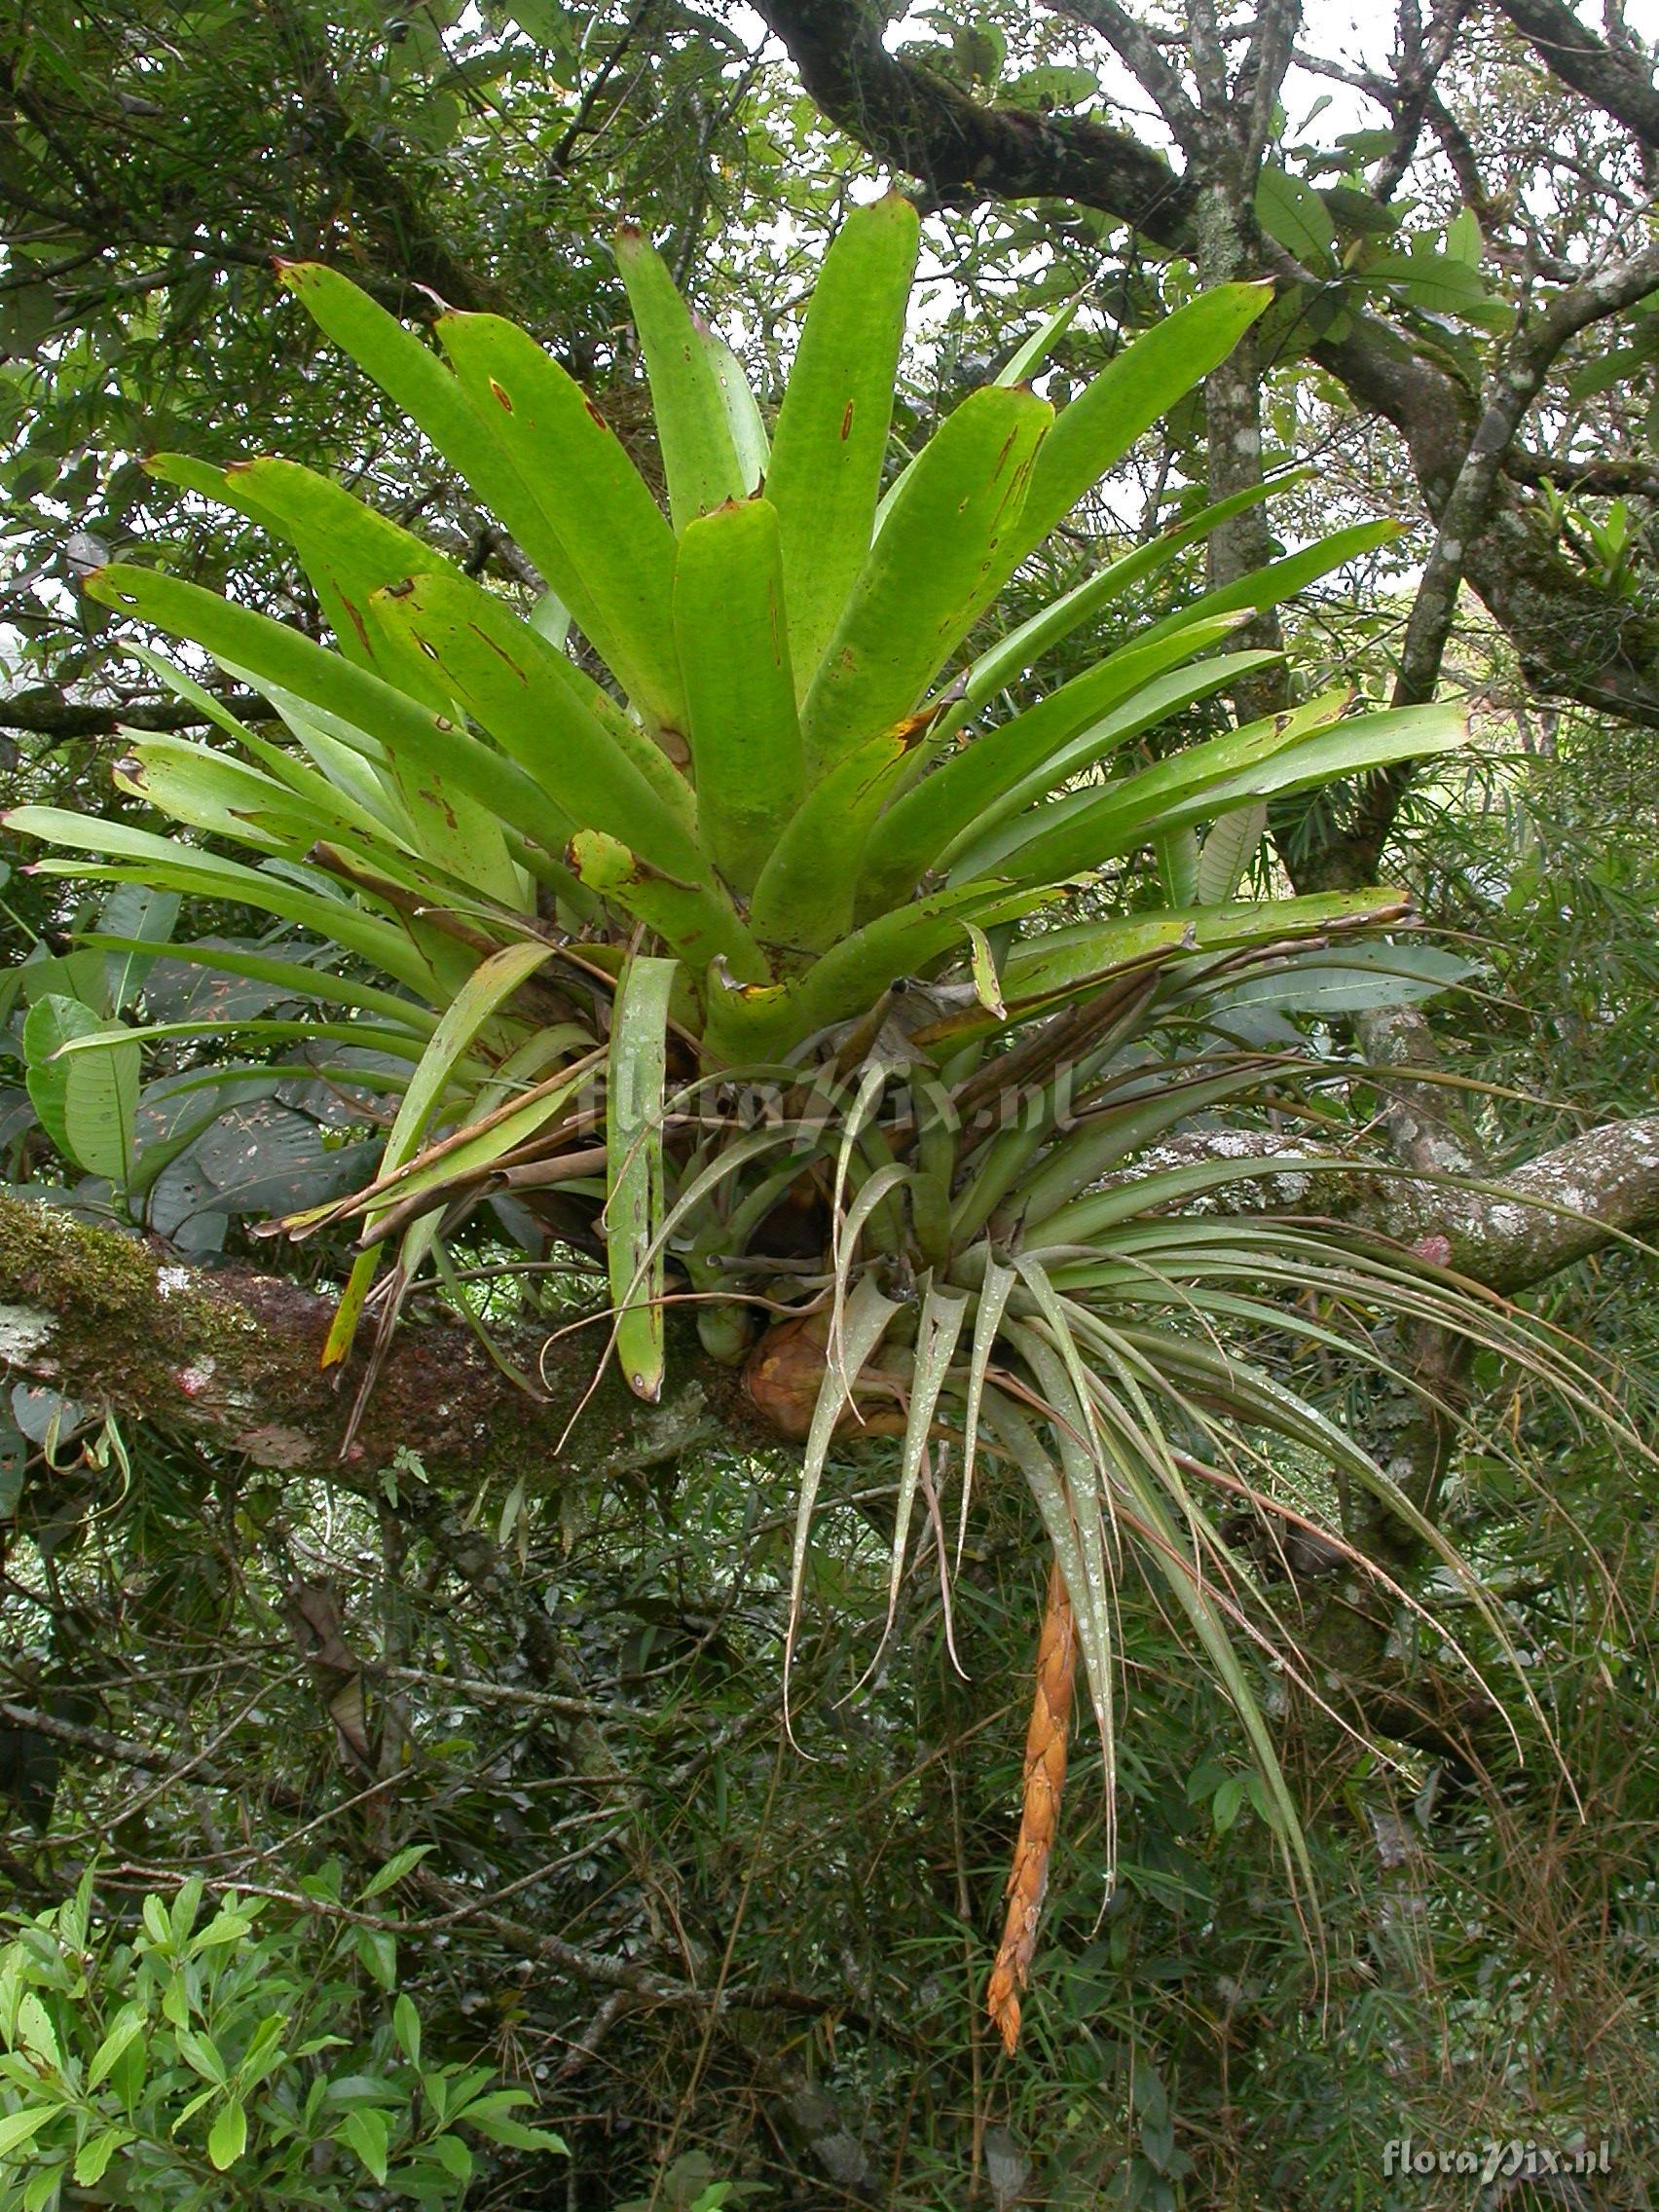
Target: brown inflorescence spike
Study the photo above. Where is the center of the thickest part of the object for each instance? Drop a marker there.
(1040, 1812)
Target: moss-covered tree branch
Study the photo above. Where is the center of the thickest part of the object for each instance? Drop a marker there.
(230, 1358)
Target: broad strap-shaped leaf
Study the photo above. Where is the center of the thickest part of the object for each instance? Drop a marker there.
(271, 653)
(347, 547)
(744, 418)
(512, 681)
(1074, 835)
(1098, 741)
(292, 979)
(1079, 955)
(408, 371)
(633, 1202)
(1282, 579)
(1023, 363)
(411, 374)
(345, 758)
(830, 438)
(847, 980)
(1043, 973)
(1026, 644)
(804, 899)
(1004, 768)
(146, 858)
(694, 427)
(952, 542)
(734, 657)
(1128, 396)
(206, 789)
(348, 552)
(614, 566)
(332, 775)
(1198, 767)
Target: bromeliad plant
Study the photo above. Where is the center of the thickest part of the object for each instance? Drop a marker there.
(751, 962)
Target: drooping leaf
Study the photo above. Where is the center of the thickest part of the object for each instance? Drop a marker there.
(633, 1202)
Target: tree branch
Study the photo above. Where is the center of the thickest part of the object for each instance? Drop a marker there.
(1608, 76)
(1139, 52)
(1560, 1208)
(1575, 639)
(101, 1744)
(1462, 519)
(961, 151)
(230, 1358)
(44, 712)
(1617, 477)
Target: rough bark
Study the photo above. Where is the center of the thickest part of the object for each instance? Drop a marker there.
(959, 150)
(230, 1358)
(1609, 76)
